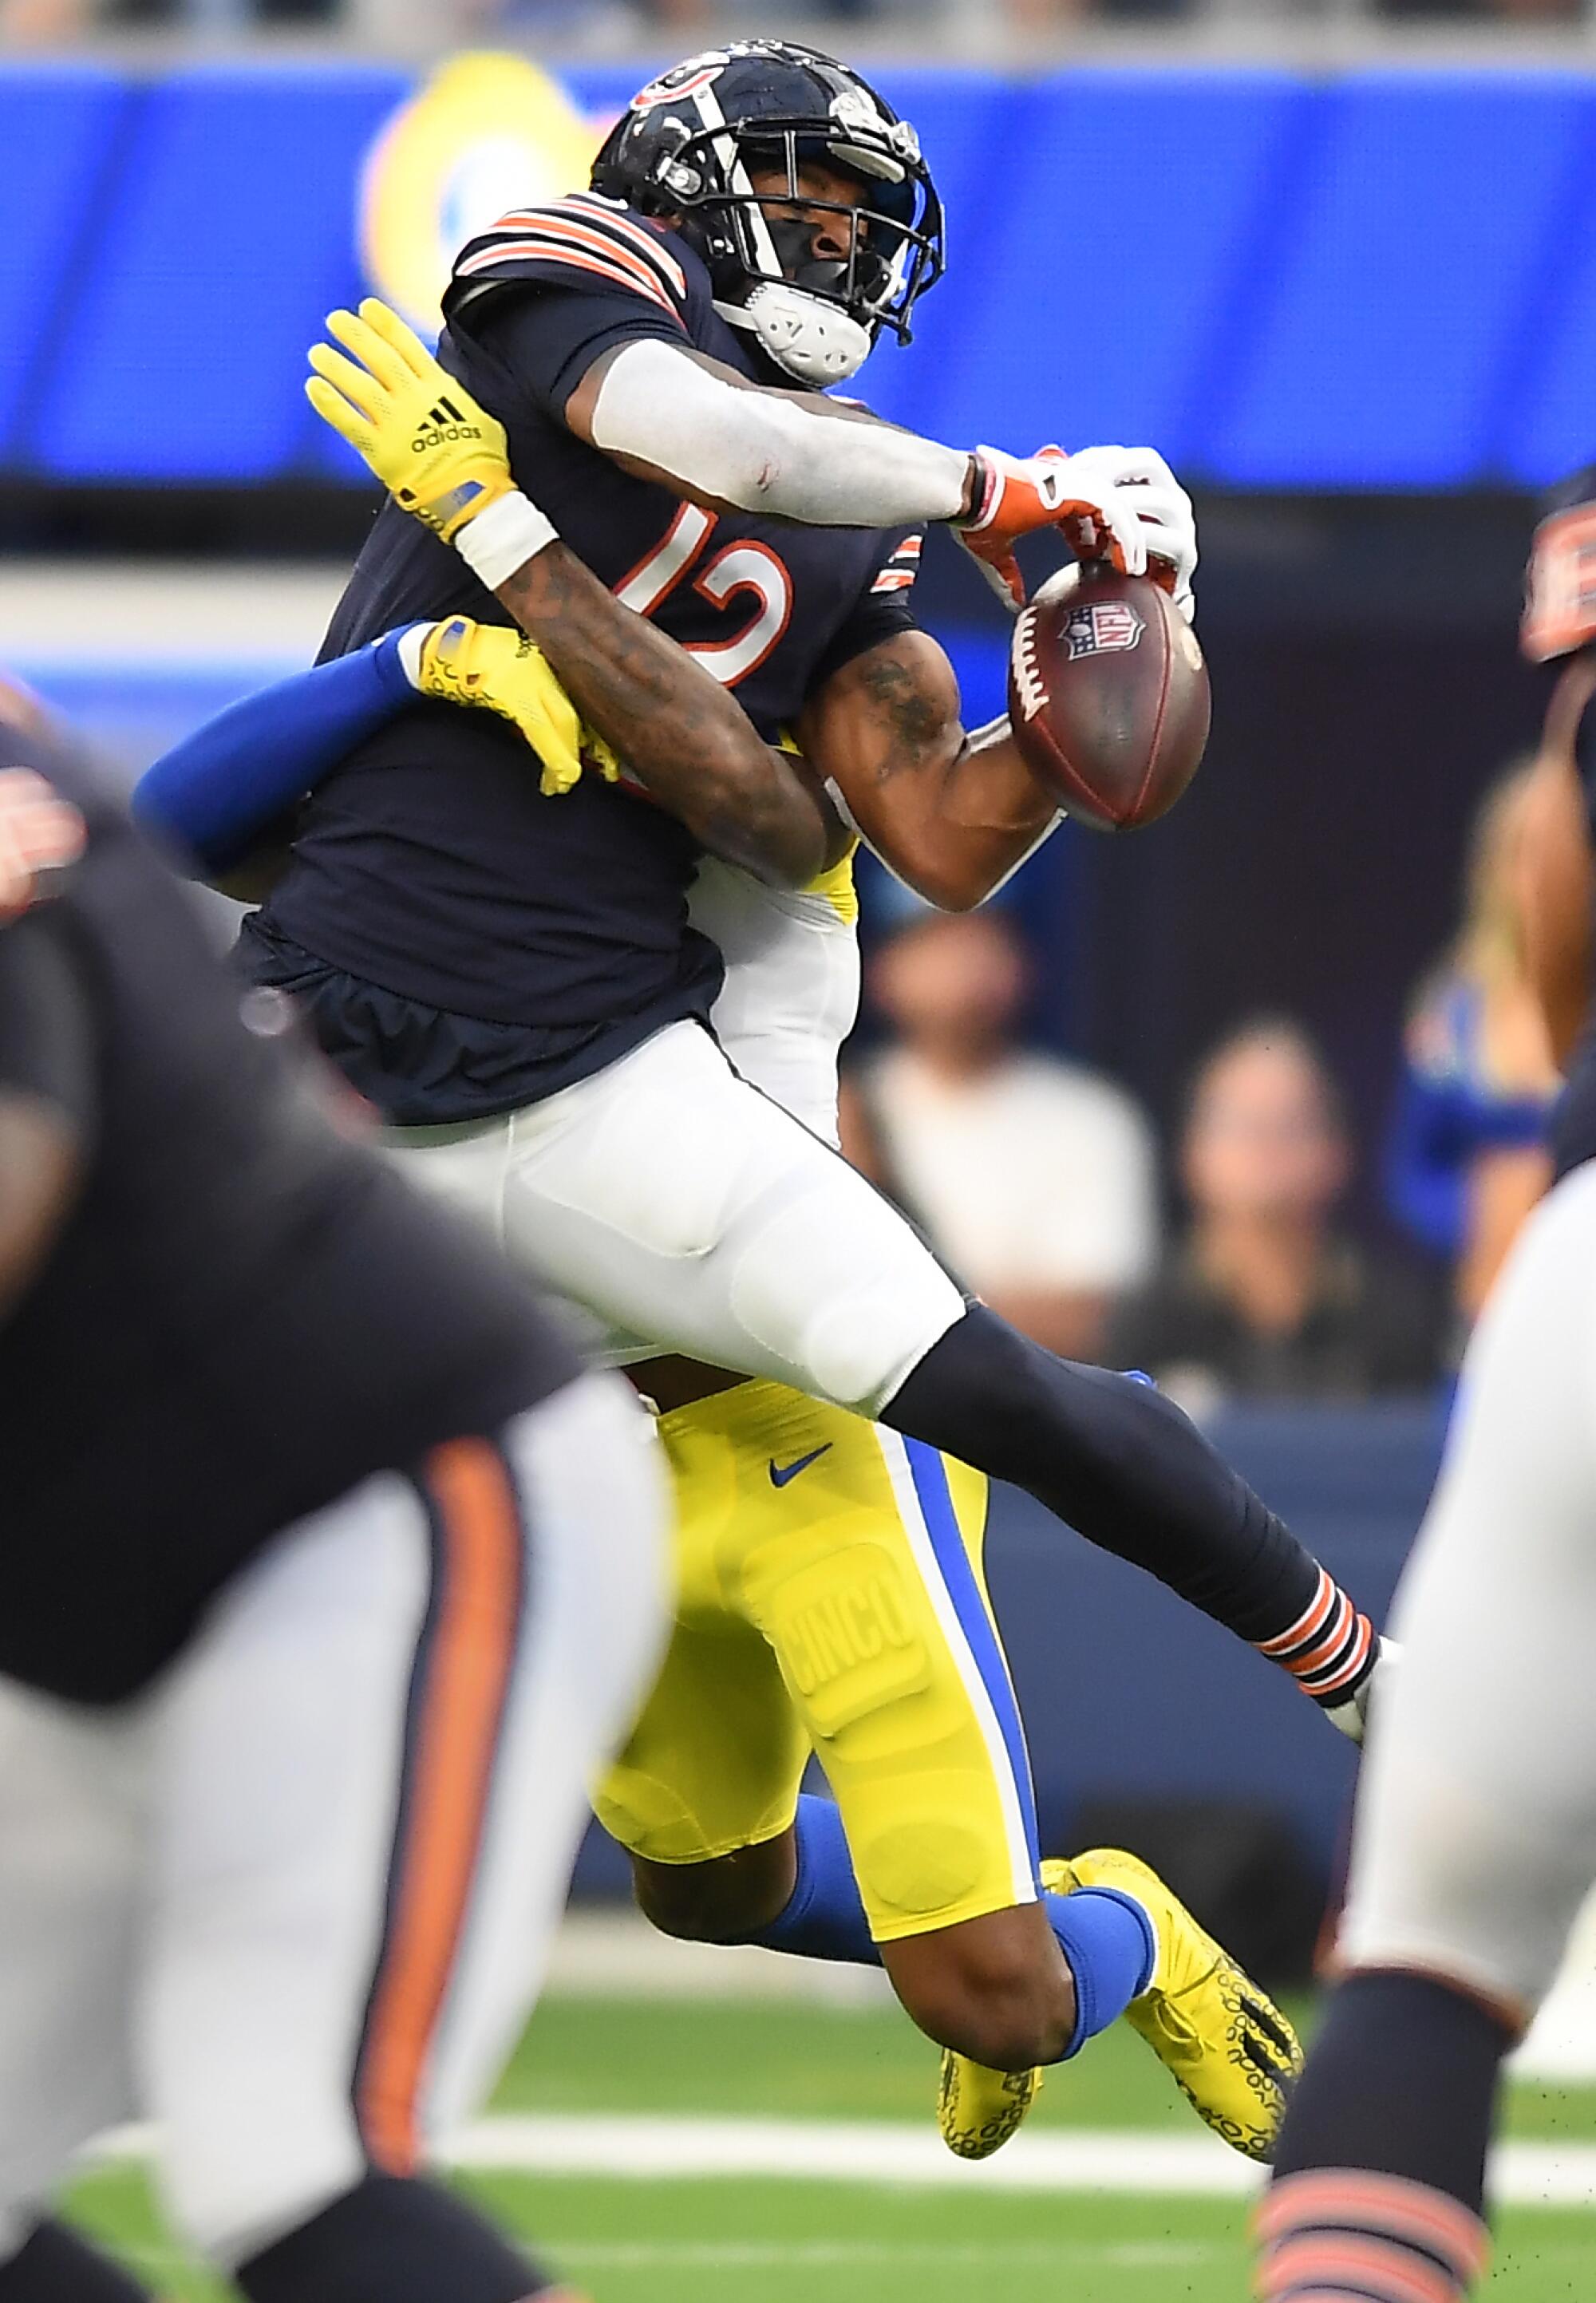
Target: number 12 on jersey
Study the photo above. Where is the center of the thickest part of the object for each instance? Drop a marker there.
(744, 567)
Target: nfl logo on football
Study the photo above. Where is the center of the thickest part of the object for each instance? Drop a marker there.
(1101, 628)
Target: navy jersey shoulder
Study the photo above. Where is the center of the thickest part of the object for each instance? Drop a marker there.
(767, 606)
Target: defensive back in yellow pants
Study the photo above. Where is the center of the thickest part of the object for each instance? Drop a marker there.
(831, 1598)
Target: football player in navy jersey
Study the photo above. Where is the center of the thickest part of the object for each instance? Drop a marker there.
(631, 339)
(518, 988)
(327, 1577)
(1475, 1839)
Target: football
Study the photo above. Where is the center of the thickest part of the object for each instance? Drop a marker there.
(1108, 696)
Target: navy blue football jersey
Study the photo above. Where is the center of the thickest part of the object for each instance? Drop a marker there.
(763, 604)
(462, 943)
(242, 1317)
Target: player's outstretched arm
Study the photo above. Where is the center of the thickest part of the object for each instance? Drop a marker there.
(677, 729)
(225, 797)
(952, 813)
(672, 414)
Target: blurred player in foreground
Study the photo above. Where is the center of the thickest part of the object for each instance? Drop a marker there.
(327, 1578)
(1476, 1827)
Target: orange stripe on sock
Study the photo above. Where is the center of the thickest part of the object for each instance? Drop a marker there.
(1326, 1649)
(1355, 1661)
(1315, 2295)
(1313, 1615)
(457, 1732)
(1362, 2199)
(1362, 2262)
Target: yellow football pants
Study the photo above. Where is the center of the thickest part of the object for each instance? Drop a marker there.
(831, 1598)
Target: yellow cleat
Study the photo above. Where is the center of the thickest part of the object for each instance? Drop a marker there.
(1228, 2047)
(977, 2110)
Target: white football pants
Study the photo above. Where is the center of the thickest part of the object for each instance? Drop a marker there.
(294, 1903)
(682, 1210)
(1476, 1827)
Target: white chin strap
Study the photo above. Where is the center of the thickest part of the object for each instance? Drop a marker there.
(811, 339)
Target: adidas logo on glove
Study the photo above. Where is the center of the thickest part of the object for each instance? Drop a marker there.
(447, 424)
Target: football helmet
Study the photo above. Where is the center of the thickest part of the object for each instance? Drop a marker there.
(684, 147)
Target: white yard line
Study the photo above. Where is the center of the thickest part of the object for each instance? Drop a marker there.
(823, 2254)
(1083, 2159)
(866, 2151)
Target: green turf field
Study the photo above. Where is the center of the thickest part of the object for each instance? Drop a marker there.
(712, 2242)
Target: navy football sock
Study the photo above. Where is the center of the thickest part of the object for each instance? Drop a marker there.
(1403, 2078)
(393, 2240)
(1124, 1467)
(1109, 1948)
(56, 2266)
(824, 1917)
(1379, 2170)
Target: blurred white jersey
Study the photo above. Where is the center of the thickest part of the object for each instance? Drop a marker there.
(791, 991)
(1476, 1841)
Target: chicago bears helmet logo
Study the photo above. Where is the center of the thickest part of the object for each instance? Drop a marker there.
(1101, 628)
(683, 79)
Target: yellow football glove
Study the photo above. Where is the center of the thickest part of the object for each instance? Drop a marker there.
(500, 670)
(438, 450)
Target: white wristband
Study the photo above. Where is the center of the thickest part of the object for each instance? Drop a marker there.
(503, 539)
(411, 641)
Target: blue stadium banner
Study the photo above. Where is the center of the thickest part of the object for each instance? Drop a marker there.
(1378, 281)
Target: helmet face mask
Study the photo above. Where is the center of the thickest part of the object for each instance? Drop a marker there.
(690, 147)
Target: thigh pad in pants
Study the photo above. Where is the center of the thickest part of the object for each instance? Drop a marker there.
(831, 1598)
(682, 1207)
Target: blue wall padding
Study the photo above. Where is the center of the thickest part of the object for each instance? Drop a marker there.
(1547, 418)
(58, 131)
(1387, 311)
(1127, 1692)
(1101, 264)
(232, 232)
(1380, 281)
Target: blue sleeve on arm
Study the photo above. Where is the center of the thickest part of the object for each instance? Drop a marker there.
(215, 794)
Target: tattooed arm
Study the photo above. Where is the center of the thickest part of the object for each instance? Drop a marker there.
(677, 729)
(951, 812)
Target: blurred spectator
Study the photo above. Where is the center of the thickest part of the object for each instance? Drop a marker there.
(1035, 1178)
(44, 23)
(1530, 15)
(1263, 1296)
(20, 707)
(1466, 1162)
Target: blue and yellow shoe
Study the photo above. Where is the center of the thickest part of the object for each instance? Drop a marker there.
(1225, 2043)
